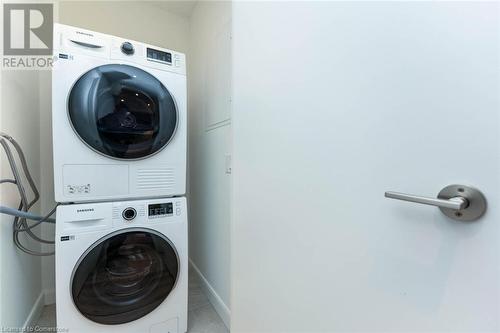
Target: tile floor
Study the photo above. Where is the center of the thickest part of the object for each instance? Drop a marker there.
(202, 316)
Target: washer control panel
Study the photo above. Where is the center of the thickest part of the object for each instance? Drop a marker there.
(160, 209)
(143, 213)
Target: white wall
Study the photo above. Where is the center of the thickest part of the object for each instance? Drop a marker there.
(20, 273)
(335, 103)
(209, 142)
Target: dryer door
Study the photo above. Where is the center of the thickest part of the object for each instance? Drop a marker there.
(124, 276)
(122, 111)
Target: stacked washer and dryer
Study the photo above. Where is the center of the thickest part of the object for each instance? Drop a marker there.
(119, 134)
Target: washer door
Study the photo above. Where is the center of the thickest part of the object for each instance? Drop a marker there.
(124, 276)
(122, 111)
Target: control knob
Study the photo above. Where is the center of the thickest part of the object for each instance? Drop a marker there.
(127, 48)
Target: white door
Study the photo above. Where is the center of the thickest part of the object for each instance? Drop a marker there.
(336, 103)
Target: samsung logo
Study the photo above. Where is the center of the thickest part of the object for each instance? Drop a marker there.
(85, 210)
(84, 33)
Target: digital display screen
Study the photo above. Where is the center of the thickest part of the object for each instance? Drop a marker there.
(160, 209)
(159, 55)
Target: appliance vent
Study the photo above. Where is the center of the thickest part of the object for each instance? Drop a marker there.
(156, 179)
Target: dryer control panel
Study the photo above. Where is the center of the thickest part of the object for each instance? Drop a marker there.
(71, 43)
(160, 56)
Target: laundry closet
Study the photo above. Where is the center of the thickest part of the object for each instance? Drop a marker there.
(139, 118)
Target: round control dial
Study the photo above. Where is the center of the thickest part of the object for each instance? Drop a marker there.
(129, 213)
(127, 48)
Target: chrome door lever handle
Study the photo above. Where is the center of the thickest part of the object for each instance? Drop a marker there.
(455, 203)
(459, 202)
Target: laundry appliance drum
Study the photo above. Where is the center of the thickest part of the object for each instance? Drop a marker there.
(124, 276)
(122, 111)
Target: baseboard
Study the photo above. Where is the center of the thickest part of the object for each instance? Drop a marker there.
(213, 297)
(49, 296)
(35, 313)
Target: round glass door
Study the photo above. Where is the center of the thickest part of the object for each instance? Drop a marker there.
(122, 111)
(125, 276)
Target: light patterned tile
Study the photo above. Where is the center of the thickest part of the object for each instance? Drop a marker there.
(47, 317)
(205, 320)
(196, 299)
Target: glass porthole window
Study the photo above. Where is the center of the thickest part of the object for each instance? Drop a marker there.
(124, 277)
(122, 111)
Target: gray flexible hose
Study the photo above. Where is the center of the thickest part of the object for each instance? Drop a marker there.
(20, 224)
(42, 219)
(24, 165)
(29, 216)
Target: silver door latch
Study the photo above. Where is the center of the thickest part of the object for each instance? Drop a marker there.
(459, 202)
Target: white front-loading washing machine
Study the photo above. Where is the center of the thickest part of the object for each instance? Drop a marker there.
(122, 267)
(118, 118)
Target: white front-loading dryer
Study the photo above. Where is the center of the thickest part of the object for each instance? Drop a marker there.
(118, 118)
(121, 267)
